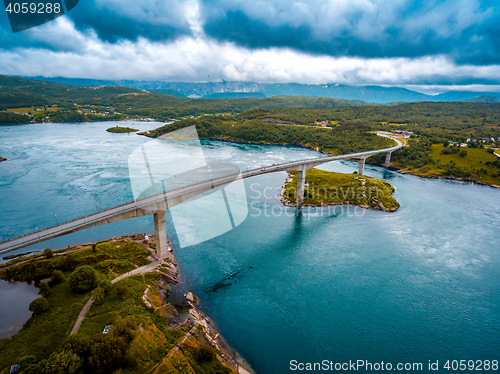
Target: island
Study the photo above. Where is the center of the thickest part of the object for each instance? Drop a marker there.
(331, 188)
(118, 129)
(108, 307)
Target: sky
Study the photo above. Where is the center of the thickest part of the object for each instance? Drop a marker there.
(419, 44)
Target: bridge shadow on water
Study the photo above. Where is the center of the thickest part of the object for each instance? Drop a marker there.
(279, 250)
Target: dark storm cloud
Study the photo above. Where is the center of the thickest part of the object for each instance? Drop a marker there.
(111, 21)
(466, 31)
(130, 20)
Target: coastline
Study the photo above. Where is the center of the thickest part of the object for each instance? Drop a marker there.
(465, 180)
(198, 327)
(196, 320)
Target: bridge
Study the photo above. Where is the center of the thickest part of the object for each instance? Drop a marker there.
(158, 203)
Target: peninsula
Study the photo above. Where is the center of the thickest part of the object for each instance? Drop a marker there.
(134, 323)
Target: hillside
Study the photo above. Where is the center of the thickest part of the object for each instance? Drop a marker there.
(169, 92)
(484, 99)
(126, 102)
(233, 95)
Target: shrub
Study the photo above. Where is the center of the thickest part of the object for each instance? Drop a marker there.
(490, 150)
(83, 279)
(44, 289)
(40, 305)
(57, 277)
(106, 285)
(64, 362)
(68, 261)
(462, 153)
(122, 290)
(48, 253)
(98, 294)
(204, 353)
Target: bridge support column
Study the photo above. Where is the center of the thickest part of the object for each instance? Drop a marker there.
(388, 159)
(160, 234)
(361, 166)
(301, 181)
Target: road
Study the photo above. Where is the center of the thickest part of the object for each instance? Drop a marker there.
(142, 270)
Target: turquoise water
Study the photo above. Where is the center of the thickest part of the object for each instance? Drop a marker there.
(333, 284)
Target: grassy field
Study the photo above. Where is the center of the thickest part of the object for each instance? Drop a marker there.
(33, 110)
(325, 187)
(472, 163)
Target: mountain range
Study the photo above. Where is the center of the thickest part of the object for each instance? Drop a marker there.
(232, 90)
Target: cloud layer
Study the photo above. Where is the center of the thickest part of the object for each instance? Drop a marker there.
(341, 41)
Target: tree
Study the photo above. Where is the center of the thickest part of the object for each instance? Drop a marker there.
(462, 153)
(48, 253)
(63, 362)
(94, 247)
(57, 277)
(39, 306)
(121, 290)
(68, 261)
(124, 328)
(106, 285)
(28, 365)
(83, 279)
(98, 294)
(44, 289)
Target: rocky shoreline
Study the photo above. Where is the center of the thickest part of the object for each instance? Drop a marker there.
(198, 322)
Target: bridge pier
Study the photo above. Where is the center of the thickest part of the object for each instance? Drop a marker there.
(361, 166)
(388, 159)
(160, 234)
(301, 181)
